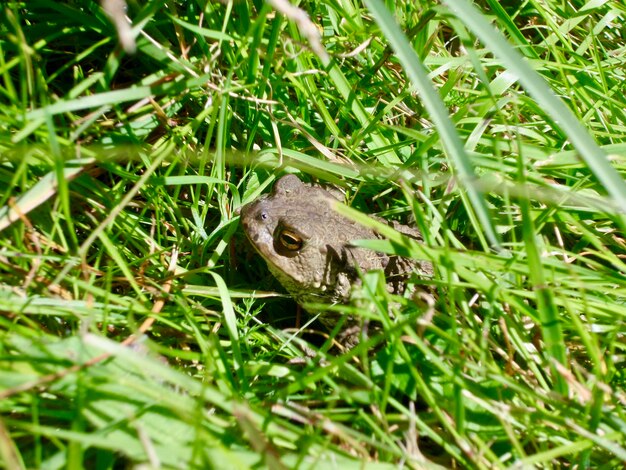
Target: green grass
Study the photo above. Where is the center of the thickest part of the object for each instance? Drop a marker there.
(138, 327)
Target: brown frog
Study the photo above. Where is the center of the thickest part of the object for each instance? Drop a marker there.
(307, 246)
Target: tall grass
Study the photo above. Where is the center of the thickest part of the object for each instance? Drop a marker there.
(137, 326)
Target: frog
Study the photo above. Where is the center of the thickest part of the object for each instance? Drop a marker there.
(308, 246)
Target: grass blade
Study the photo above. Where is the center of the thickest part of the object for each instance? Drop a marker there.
(451, 142)
(593, 155)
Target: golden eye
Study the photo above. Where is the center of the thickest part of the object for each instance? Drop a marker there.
(290, 240)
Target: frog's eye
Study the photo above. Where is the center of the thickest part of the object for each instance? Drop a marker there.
(290, 240)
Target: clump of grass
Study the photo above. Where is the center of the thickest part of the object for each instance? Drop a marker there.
(137, 328)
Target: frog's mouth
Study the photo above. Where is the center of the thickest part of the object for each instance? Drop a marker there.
(261, 245)
(258, 246)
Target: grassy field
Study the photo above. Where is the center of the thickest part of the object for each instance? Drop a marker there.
(139, 330)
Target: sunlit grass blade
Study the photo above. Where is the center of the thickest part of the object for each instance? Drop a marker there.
(439, 114)
(536, 86)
